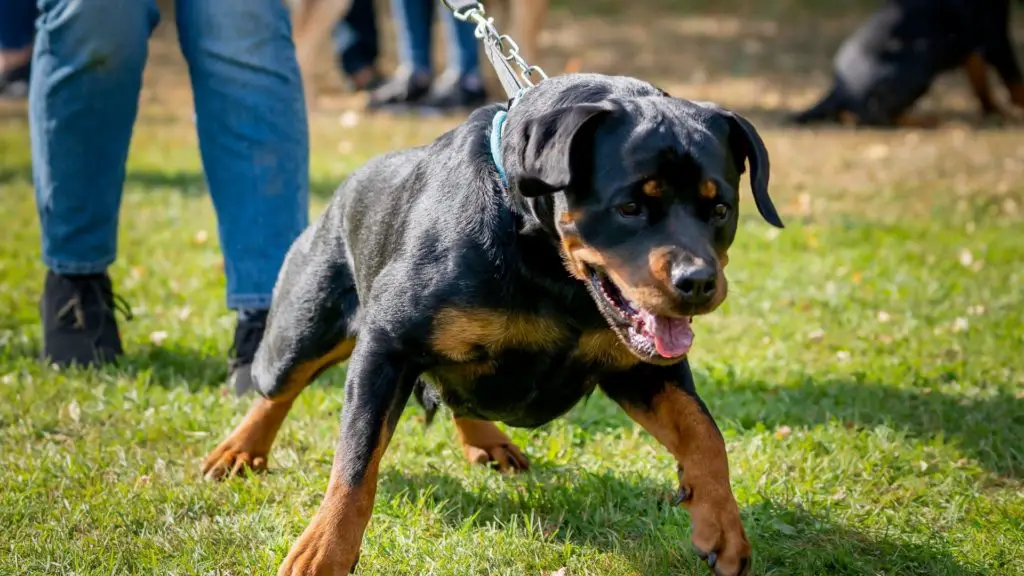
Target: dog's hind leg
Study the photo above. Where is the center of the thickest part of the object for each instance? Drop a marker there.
(311, 327)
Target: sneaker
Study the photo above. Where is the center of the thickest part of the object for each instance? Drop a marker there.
(248, 335)
(405, 89)
(453, 92)
(78, 320)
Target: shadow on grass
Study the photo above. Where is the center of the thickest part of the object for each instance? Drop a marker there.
(987, 428)
(167, 367)
(187, 182)
(631, 518)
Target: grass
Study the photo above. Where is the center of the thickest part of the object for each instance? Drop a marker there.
(865, 370)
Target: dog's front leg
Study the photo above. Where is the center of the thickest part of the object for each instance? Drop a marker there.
(377, 387)
(664, 401)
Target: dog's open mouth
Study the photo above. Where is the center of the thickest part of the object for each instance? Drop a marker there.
(651, 335)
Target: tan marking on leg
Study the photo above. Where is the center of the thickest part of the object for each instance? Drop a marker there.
(331, 542)
(248, 445)
(483, 442)
(677, 422)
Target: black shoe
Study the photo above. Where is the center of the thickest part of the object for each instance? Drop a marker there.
(368, 79)
(14, 83)
(248, 335)
(78, 320)
(453, 92)
(404, 90)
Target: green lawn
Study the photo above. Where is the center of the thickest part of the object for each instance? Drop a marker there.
(866, 371)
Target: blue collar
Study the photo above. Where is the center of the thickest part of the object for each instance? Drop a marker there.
(497, 129)
(497, 125)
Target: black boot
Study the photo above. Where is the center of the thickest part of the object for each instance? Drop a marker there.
(78, 320)
(248, 335)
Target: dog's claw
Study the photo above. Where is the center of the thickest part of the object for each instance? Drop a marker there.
(711, 559)
(683, 495)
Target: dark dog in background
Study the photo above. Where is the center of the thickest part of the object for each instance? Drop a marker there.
(509, 279)
(892, 60)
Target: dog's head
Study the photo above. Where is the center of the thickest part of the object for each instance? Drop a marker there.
(644, 195)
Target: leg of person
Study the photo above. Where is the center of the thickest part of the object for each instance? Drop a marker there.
(356, 44)
(461, 85)
(411, 81)
(527, 21)
(254, 142)
(87, 72)
(17, 28)
(312, 24)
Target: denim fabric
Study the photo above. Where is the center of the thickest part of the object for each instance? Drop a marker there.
(355, 38)
(413, 27)
(249, 110)
(17, 23)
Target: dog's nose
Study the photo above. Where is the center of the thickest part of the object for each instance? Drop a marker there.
(696, 283)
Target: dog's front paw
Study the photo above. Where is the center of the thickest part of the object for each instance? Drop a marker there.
(718, 535)
(232, 458)
(318, 552)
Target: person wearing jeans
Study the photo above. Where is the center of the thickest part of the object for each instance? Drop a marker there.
(459, 86)
(251, 118)
(17, 27)
(356, 46)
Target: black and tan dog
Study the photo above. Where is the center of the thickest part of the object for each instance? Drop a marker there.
(893, 59)
(513, 298)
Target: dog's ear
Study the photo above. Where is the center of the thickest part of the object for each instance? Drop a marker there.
(553, 141)
(746, 145)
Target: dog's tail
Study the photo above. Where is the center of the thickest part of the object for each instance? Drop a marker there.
(428, 398)
(826, 110)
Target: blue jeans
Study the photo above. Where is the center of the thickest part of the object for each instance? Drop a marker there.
(355, 37)
(253, 139)
(413, 19)
(17, 23)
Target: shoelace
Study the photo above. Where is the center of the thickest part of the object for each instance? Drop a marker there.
(74, 305)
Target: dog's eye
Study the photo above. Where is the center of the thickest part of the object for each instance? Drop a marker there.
(721, 212)
(630, 209)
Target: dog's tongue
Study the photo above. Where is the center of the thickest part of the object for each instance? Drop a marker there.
(672, 336)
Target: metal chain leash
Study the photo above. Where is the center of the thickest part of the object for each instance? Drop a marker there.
(501, 44)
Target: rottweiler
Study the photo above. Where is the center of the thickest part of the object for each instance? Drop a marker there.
(546, 247)
(891, 61)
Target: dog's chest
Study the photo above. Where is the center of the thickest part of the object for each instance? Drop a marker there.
(521, 369)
